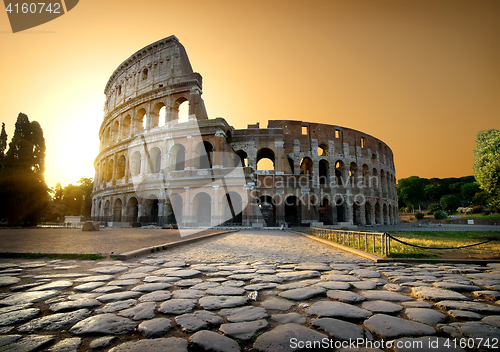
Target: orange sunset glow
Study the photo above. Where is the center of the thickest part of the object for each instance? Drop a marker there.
(423, 76)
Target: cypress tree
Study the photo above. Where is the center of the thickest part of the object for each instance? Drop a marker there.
(23, 190)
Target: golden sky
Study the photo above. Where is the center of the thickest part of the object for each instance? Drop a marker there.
(423, 76)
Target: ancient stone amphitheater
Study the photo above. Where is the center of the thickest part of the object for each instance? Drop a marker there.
(158, 165)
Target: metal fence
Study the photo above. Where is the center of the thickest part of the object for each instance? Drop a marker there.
(375, 242)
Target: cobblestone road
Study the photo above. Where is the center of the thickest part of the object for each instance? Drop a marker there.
(248, 291)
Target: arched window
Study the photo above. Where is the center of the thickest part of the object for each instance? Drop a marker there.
(140, 121)
(177, 208)
(204, 150)
(324, 172)
(306, 166)
(126, 126)
(339, 172)
(177, 156)
(156, 119)
(132, 210)
(116, 128)
(163, 116)
(117, 210)
(155, 159)
(135, 164)
(203, 209)
(109, 175)
(323, 150)
(120, 172)
(241, 158)
(181, 110)
(265, 159)
(232, 205)
(291, 163)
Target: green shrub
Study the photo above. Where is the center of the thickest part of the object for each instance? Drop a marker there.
(419, 216)
(450, 202)
(478, 209)
(434, 207)
(439, 215)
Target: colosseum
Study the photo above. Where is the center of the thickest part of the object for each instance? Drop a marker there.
(163, 161)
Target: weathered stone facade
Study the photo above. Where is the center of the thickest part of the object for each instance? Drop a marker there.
(154, 167)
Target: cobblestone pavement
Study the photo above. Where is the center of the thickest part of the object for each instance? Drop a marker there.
(248, 291)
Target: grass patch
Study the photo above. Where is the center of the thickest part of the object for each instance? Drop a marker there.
(67, 256)
(433, 240)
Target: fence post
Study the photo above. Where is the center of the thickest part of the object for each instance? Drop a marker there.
(366, 242)
(373, 243)
(382, 244)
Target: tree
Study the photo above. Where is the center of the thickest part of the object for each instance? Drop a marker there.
(487, 164)
(3, 144)
(469, 190)
(450, 202)
(411, 190)
(87, 186)
(433, 191)
(23, 190)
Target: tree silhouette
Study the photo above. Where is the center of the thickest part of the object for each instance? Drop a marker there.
(23, 191)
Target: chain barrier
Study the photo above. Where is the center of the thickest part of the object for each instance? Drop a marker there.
(414, 245)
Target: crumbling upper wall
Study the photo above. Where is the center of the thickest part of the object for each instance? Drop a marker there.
(163, 63)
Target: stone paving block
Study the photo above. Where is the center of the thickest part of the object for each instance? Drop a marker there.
(277, 304)
(389, 327)
(244, 330)
(301, 294)
(425, 315)
(66, 345)
(177, 306)
(339, 329)
(285, 338)
(175, 344)
(103, 324)
(247, 313)
(154, 328)
(54, 322)
(344, 296)
(212, 341)
(382, 307)
(289, 318)
(337, 309)
(478, 307)
(219, 302)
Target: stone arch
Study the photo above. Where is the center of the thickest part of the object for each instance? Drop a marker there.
(177, 106)
(368, 216)
(324, 172)
(339, 172)
(120, 167)
(177, 205)
(202, 205)
(241, 157)
(135, 164)
(151, 209)
(366, 175)
(177, 157)
(155, 115)
(155, 160)
(140, 120)
(117, 210)
(374, 180)
(265, 153)
(385, 214)
(293, 210)
(325, 212)
(115, 131)
(233, 207)
(340, 209)
(323, 149)
(127, 123)
(109, 170)
(203, 151)
(353, 171)
(291, 163)
(306, 166)
(106, 210)
(378, 214)
(267, 207)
